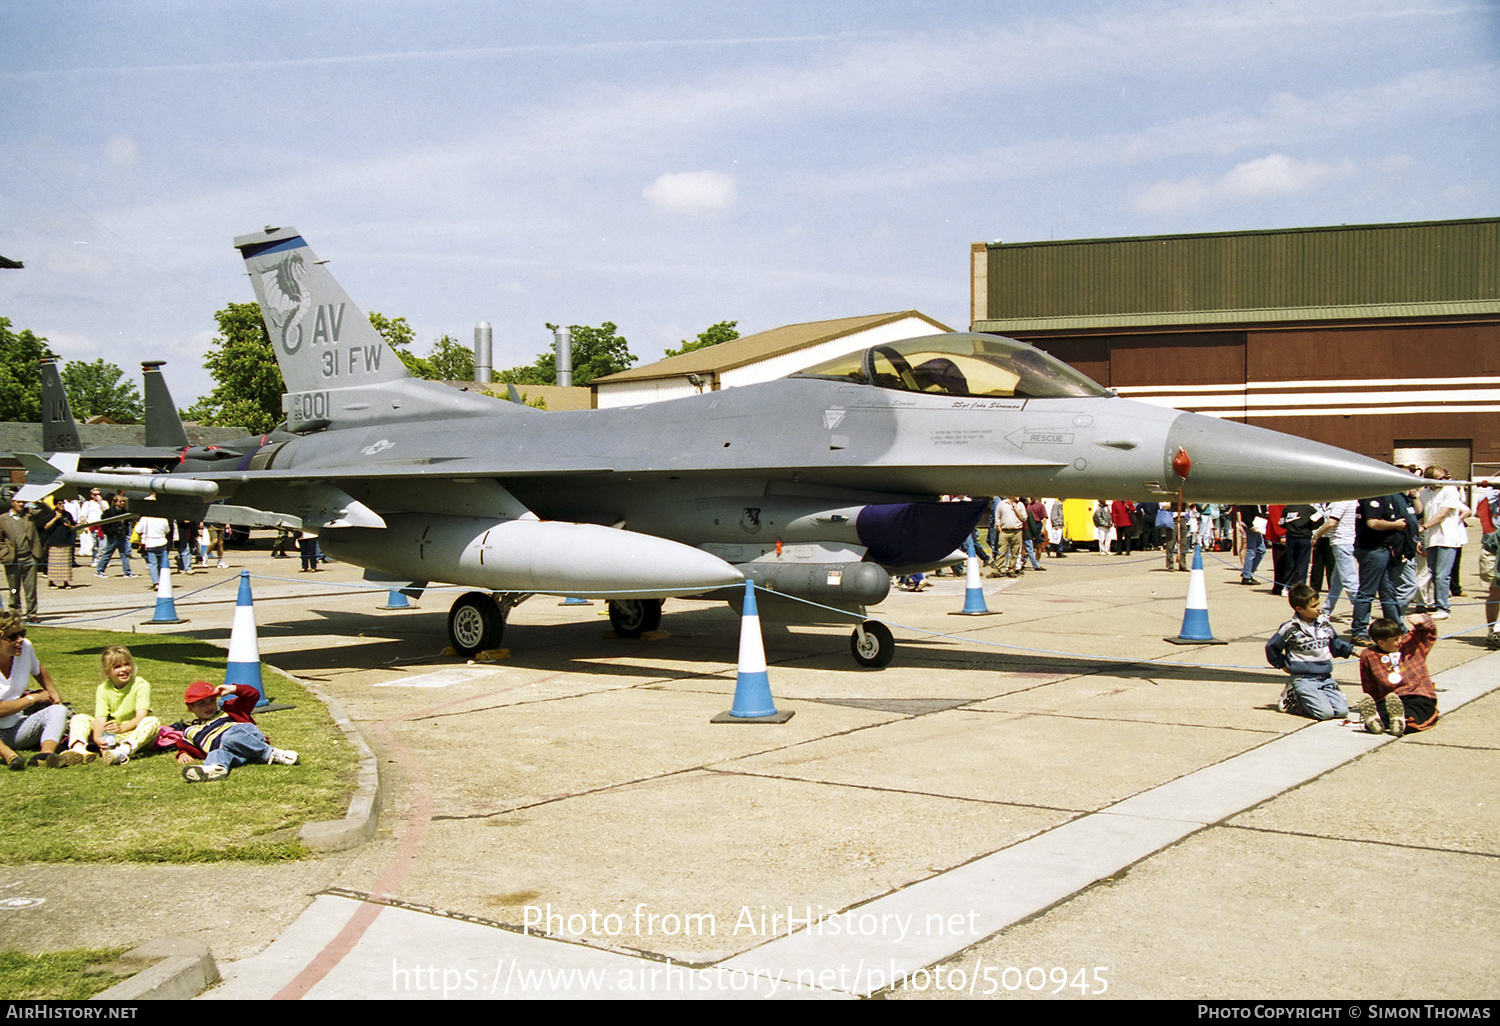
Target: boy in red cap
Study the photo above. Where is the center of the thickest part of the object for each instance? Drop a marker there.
(223, 738)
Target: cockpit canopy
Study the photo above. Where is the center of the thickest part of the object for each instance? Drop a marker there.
(960, 364)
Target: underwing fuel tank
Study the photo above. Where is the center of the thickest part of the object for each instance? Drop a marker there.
(821, 577)
(528, 555)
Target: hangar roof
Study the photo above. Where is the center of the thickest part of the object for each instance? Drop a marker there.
(1421, 269)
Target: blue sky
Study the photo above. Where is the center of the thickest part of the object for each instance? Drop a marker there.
(667, 165)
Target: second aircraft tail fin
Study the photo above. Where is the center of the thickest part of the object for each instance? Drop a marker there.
(163, 425)
(59, 432)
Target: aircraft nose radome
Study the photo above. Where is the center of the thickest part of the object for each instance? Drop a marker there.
(1235, 462)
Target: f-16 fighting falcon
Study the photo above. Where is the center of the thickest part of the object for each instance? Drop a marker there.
(817, 486)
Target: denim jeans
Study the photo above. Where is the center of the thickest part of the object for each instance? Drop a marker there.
(1030, 554)
(1255, 551)
(1379, 572)
(156, 559)
(111, 546)
(1320, 698)
(1344, 577)
(1440, 562)
(241, 743)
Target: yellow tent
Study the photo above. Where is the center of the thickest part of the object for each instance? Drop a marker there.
(1078, 520)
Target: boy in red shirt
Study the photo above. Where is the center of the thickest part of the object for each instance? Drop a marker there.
(223, 738)
(1399, 694)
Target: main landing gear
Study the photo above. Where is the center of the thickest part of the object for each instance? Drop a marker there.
(872, 644)
(476, 621)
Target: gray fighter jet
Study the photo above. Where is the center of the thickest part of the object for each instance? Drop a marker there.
(817, 486)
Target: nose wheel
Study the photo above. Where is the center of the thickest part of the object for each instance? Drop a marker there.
(873, 644)
(633, 617)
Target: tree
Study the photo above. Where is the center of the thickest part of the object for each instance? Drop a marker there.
(399, 336)
(724, 331)
(20, 380)
(248, 383)
(96, 390)
(596, 352)
(450, 360)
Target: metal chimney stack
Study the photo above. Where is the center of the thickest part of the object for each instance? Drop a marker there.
(484, 352)
(562, 341)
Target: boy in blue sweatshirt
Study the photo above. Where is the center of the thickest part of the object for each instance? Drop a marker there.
(1304, 647)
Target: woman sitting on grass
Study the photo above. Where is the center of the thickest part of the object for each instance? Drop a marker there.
(122, 724)
(28, 719)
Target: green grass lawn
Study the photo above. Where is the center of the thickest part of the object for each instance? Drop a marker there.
(75, 975)
(144, 811)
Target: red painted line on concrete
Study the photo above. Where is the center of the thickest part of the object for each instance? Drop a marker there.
(395, 872)
(417, 820)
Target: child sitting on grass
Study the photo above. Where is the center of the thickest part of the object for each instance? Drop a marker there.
(1304, 647)
(122, 724)
(1399, 694)
(223, 738)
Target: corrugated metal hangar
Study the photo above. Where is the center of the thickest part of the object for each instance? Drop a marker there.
(1383, 339)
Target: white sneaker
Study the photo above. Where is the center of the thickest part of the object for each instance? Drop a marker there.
(281, 757)
(199, 774)
(1438, 614)
(118, 757)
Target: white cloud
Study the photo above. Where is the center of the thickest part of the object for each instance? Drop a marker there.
(121, 151)
(693, 193)
(1273, 175)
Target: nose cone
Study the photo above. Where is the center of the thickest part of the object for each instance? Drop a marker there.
(1238, 463)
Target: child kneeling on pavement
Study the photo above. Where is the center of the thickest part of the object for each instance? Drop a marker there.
(223, 738)
(1304, 647)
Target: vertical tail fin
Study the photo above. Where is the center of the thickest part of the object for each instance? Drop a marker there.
(163, 425)
(322, 340)
(59, 432)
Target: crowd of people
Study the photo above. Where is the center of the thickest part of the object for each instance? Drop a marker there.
(53, 539)
(1021, 531)
(1403, 551)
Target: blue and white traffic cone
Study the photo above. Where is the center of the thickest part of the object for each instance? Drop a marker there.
(244, 647)
(973, 590)
(166, 609)
(1195, 628)
(395, 599)
(752, 687)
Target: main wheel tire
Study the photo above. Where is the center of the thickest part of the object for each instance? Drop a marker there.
(475, 623)
(633, 617)
(877, 648)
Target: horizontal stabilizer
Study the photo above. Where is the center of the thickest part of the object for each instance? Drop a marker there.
(59, 473)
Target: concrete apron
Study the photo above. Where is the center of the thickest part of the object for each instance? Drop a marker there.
(567, 822)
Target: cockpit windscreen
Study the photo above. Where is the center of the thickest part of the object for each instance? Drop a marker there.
(960, 364)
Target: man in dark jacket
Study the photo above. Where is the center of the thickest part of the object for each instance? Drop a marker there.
(20, 550)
